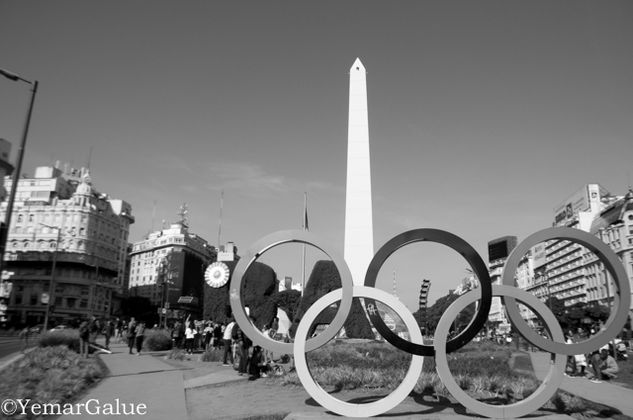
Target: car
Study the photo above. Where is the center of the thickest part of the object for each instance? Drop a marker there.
(59, 328)
(36, 329)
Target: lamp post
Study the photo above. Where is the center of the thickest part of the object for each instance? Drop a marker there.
(51, 285)
(4, 229)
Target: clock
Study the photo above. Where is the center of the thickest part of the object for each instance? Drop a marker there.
(217, 274)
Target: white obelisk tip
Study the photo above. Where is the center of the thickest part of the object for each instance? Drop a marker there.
(357, 66)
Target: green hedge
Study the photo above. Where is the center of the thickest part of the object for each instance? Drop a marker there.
(157, 340)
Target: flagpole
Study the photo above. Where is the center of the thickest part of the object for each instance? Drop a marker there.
(220, 222)
(303, 254)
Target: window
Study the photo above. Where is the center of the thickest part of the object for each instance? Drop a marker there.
(19, 218)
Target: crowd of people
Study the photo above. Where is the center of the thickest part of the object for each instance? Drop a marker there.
(598, 366)
(237, 348)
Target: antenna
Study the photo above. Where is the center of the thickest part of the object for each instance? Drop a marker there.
(89, 157)
(153, 214)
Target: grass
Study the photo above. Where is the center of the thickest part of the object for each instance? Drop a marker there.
(50, 375)
(484, 370)
(625, 375)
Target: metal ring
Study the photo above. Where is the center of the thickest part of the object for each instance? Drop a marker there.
(254, 252)
(464, 249)
(341, 407)
(622, 299)
(539, 397)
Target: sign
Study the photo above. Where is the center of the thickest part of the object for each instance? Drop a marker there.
(539, 255)
(45, 298)
(584, 199)
(225, 256)
(188, 300)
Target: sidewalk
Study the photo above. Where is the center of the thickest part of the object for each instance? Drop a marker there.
(604, 393)
(137, 380)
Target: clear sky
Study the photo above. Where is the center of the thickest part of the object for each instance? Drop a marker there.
(483, 115)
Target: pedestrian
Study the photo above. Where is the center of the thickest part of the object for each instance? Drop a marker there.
(190, 336)
(108, 331)
(217, 335)
(119, 327)
(208, 335)
(131, 334)
(243, 345)
(257, 366)
(24, 336)
(227, 339)
(84, 338)
(140, 336)
(608, 365)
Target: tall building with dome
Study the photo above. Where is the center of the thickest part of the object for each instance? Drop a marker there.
(168, 265)
(60, 219)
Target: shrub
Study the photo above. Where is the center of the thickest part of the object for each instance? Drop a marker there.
(48, 375)
(68, 338)
(157, 340)
(177, 354)
(212, 355)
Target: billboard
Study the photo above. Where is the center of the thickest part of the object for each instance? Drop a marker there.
(585, 199)
(539, 255)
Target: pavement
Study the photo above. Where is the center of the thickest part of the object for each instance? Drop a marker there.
(134, 380)
(185, 390)
(604, 393)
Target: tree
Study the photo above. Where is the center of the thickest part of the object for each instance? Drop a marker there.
(323, 279)
(259, 286)
(288, 301)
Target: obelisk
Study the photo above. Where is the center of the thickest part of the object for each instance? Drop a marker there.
(359, 232)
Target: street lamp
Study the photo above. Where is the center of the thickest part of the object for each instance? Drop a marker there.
(51, 285)
(4, 229)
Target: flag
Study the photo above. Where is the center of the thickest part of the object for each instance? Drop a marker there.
(305, 211)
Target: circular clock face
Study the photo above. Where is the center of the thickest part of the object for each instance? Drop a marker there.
(217, 274)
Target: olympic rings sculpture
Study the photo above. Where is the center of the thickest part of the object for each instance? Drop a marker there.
(441, 346)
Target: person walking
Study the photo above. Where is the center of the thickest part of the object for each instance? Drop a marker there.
(227, 340)
(84, 338)
(140, 336)
(108, 332)
(24, 337)
(131, 334)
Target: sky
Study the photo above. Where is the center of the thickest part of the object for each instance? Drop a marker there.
(483, 116)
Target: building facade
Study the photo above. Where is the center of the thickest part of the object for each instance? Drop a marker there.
(60, 220)
(570, 272)
(167, 267)
(498, 251)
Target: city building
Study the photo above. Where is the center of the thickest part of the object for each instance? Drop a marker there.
(60, 220)
(5, 167)
(167, 267)
(570, 272)
(498, 251)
